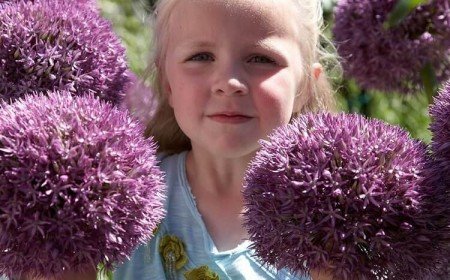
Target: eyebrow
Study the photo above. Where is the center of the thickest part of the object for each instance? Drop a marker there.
(198, 44)
(267, 46)
(206, 44)
(263, 45)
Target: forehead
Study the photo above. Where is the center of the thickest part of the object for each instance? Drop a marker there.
(248, 18)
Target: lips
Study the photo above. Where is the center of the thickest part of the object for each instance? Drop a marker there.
(229, 117)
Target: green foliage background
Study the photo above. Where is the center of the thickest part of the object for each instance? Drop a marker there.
(410, 112)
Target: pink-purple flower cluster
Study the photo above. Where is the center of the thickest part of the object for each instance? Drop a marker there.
(435, 206)
(341, 192)
(437, 174)
(140, 101)
(392, 59)
(440, 126)
(79, 185)
(89, 3)
(59, 45)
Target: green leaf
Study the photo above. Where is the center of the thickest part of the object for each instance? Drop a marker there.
(103, 273)
(327, 5)
(429, 80)
(402, 10)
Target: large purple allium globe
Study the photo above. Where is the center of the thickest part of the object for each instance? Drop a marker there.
(79, 185)
(89, 3)
(435, 205)
(391, 59)
(440, 126)
(437, 172)
(58, 45)
(340, 193)
(140, 101)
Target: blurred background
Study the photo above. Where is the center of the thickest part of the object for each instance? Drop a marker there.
(129, 19)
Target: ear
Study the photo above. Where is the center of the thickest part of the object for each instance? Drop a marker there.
(317, 70)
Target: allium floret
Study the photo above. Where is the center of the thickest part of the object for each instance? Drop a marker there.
(58, 45)
(79, 185)
(391, 59)
(340, 192)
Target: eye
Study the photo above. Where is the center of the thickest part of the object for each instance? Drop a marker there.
(201, 57)
(261, 59)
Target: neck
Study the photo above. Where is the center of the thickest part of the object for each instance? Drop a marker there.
(216, 184)
(216, 175)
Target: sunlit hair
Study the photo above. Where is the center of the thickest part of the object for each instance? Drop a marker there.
(318, 92)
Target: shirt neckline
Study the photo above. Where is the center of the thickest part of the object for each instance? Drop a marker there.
(190, 198)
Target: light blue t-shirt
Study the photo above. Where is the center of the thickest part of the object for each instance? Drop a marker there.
(162, 258)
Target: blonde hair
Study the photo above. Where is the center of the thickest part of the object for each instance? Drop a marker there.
(163, 125)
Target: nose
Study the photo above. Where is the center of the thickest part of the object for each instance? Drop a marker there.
(230, 80)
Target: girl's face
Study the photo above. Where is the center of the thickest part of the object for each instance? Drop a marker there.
(232, 71)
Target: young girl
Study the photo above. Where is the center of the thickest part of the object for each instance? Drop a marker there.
(227, 72)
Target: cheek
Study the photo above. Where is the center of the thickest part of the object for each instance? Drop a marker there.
(187, 98)
(277, 97)
(185, 90)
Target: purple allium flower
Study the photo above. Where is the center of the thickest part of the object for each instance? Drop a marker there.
(435, 188)
(440, 126)
(391, 59)
(437, 172)
(340, 193)
(79, 185)
(89, 3)
(140, 101)
(56, 45)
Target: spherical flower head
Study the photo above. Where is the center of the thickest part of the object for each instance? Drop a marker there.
(435, 208)
(58, 45)
(440, 125)
(79, 185)
(339, 192)
(391, 59)
(437, 173)
(139, 100)
(88, 3)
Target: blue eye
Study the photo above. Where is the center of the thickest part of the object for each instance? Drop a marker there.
(261, 59)
(201, 57)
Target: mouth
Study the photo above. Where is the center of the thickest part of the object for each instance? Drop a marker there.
(232, 118)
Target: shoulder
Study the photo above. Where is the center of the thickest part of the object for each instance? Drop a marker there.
(145, 262)
(173, 167)
(173, 163)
